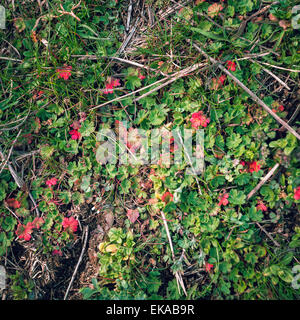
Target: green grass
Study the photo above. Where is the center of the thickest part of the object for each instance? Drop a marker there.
(139, 263)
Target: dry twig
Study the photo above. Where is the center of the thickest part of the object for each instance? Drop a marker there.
(71, 13)
(85, 232)
(268, 234)
(20, 182)
(244, 23)
(273, 75)
(176, 76)
(10, 151)
(252, 95)
(177, 274)
(263, 181)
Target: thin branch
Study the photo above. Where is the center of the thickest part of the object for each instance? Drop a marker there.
(251, 193)
(10, 151)
(175, 77)
(71, 13)
(294, 115)
(273, 75)
(191, 164)
(133, 63)
(244, 23)
(254, 55)
(129, 16)
(20, 182)
(25, 155)
(172, 78)
(268, 234)
(12, 213)
(128, 94)
(252, 95)
(15, 49)
(263, 181)
(177, 274)
(131, 33)
(11, 59)
(85, 232)
(277, 67)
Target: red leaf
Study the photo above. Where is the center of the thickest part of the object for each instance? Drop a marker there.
(13, 203)
(37, 222)
(297, 193)
(133, 215)
(208, 266)
(254, 166)
(167, 197)
(70, 224)
(24, 232)
(51, 182)
(75, 134)
(223, 199)
(64, 73)
(198, 119)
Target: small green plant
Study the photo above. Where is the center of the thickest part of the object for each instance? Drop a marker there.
(21, 288)
(116, 255)
(68, 74)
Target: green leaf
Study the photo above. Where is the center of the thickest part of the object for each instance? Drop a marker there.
(255, 215)
(209, 35)
(233, 141)
(267, 193)
(287, 258)
(65, 196)
(251, 258)
(243, 179)
(230, 11)
(2, 192)
(78, 198)
(205, 25)
(261, 251)
(85, 183)
(225, 287)
(225, 267)
(236, 197)
(142, 115)
(87, 128)
(125, 186)
(158, 115)
(9, 223)
(245, 6)
(153, 282)
(133, 82)
(47, 151)
(285, 275)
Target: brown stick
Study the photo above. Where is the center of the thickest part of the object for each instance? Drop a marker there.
(273, 75)
(179, 75)
(263, 181)
(244, 23)
(20, 182)
(86, 229)
(177, 274)
(252, 95)
(268, 234)
(10, 151)
(170, 78)
(251, 193)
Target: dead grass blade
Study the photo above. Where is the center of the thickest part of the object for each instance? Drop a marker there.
(252, 95)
